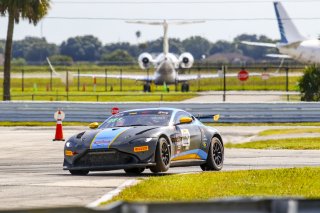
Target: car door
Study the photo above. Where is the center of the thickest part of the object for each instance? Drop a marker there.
(190, 133)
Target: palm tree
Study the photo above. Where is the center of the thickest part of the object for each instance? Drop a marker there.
(33, 11)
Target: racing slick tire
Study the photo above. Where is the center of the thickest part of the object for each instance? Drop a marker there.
(162, 156)
(134, 171)
(79, 172)
(215, 156)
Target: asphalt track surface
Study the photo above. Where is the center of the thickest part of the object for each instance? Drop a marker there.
(31, 174)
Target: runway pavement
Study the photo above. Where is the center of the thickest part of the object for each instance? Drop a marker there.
(31, 172)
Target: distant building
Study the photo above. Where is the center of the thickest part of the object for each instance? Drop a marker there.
(230, 58)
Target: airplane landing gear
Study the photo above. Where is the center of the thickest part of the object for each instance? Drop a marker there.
(146, 87)
(185, 87)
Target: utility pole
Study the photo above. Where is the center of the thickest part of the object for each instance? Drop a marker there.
(224, 83)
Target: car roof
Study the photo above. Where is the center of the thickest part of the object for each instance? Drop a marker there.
(160, 108)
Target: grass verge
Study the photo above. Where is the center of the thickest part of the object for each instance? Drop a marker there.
(289, 131)
(265, 124)
(38, 123)
(292, 143)
(303, 182)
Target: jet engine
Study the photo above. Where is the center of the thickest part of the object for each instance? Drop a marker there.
(186, 60)
(145, 60)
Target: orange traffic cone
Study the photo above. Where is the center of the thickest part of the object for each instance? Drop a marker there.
(59, 131)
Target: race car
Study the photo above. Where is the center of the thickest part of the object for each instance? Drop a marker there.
(151, 138)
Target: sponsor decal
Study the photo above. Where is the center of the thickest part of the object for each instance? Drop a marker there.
(191, 154)
(185, 137)
(68, 153)
(106, 137)
(141, 148)
(204, 144)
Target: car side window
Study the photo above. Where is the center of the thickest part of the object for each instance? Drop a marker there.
(180, 115)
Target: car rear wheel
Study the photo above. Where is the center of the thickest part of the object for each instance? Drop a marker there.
(79, 172)
(215, 156)
(134, 171)
(162, 156)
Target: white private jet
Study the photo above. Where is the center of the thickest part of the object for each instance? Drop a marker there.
(166, 64)
(292, 43)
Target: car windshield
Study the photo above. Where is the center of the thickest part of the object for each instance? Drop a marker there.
(139, 118)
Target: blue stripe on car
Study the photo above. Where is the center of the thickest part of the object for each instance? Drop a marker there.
(106, 137)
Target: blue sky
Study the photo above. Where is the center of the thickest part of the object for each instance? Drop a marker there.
(58, 30)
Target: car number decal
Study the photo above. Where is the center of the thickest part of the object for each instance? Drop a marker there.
(185, 137)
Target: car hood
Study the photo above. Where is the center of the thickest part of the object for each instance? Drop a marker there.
(103, 138)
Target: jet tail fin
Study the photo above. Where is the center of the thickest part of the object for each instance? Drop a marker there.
(288, 31)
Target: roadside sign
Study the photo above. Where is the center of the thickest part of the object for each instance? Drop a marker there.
(59, 115)
(114, 110)
(243, 75)
(265, 76)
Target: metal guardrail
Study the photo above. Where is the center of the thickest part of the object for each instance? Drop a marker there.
(218, 206)
(229, 112)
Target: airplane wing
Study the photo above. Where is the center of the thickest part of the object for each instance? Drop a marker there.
(131, 77)
(278, 56)
(182, 78)
(261, 44)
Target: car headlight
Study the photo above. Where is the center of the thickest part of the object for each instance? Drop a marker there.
(147, 140)
(68, 144)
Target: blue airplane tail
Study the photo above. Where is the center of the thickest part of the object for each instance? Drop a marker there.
(288, 31)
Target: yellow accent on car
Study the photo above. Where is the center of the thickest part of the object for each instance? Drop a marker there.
(185, 120)
(186, 157)
(94, 125)
(141, 148)
(68, 153)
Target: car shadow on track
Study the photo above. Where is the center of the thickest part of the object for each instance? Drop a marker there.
(115, 174)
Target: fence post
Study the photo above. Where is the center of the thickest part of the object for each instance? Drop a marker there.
(97, 98)
(22, 86)
(287, 83)
(121, 80)
(51, 81)
(105, 80)
(224, 83)
(78, 79)
(32, 97)
(199, 79)
(161, 97)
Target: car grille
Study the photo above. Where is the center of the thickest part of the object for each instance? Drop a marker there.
(105, 158)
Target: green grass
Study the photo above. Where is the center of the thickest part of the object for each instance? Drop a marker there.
(265, 124)
(254, 83)
(292, 143)
(102, 96)
(38, 123)
(303, 182)
(289, 131)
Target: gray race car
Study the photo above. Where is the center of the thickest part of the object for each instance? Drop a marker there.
(153, 138)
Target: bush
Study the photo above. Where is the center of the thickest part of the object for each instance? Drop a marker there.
(309, 84)
(61, 60)
(18, 62)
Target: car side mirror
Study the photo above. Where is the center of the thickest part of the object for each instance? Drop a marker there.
(94, 125)
(216, 117)
(185, 120)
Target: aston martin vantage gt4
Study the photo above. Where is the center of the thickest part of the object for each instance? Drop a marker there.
(152, 138)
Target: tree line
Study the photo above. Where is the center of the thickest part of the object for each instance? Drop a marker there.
(34, 50)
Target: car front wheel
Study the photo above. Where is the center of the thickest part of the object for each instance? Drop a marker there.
(162, 156)
(215, 156)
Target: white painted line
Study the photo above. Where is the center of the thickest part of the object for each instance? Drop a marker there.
(112, 193)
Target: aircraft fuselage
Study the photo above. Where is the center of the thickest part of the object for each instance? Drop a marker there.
(307, 51)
